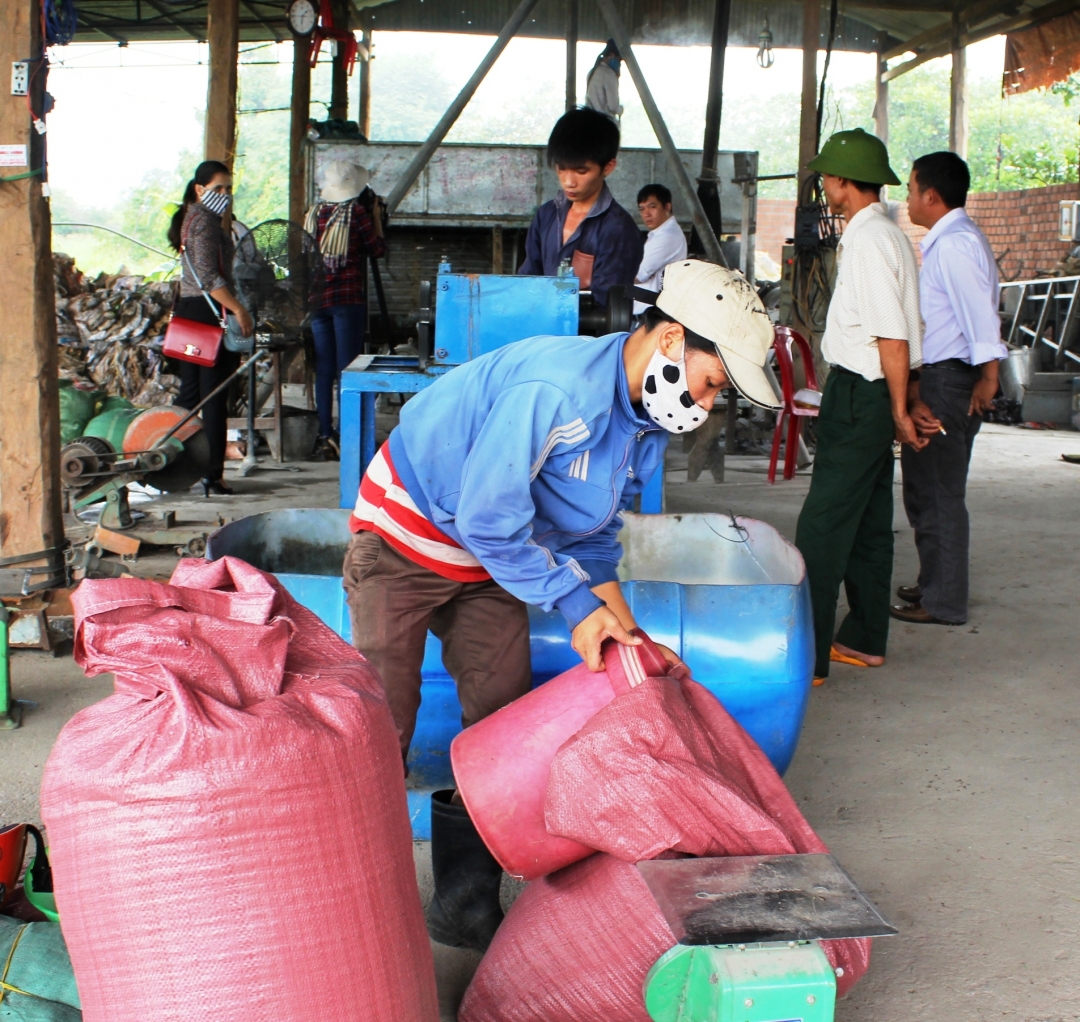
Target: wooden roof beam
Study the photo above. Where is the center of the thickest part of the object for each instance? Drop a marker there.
(1026, 20)
(98, 27)
(167, 15)
(971, 16)
(278, 34)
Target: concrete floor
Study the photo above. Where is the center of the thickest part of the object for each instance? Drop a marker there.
(944, 781)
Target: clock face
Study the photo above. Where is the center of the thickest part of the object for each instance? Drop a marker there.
(302, 16)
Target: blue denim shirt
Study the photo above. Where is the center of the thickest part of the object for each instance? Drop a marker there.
(608, 233)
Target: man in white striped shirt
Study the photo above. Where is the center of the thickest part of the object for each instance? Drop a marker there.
(872, 337)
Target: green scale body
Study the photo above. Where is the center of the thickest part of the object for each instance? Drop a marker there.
(781, 982)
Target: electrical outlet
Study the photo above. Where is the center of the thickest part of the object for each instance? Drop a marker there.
(20, 77)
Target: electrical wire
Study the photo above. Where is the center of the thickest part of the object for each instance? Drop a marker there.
(126, 237)
(61, 21)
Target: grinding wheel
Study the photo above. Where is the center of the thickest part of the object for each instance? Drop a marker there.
(150, 426)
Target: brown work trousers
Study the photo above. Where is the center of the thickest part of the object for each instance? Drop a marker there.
(483, 629)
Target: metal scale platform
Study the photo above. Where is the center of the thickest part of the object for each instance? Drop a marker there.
(749, 931)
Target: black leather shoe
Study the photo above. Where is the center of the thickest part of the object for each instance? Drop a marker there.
(914, 614)
(465, 910)
(216, 486)
(910, 593)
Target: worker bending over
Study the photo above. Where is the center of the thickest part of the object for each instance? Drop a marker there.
(958, 286)
(872, 338)
(583, 224)
(502, 486)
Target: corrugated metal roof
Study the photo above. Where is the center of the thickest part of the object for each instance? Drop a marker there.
(675, 22)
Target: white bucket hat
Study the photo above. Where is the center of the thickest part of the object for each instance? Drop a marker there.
(724, 308)
(342, 180)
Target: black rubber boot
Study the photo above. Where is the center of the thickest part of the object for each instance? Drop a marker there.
(464, 911)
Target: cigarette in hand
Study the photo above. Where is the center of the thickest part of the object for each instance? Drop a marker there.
(941, 430)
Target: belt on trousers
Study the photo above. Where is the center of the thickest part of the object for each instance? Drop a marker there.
(957, 364)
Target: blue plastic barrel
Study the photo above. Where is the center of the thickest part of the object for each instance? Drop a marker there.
(730, 597)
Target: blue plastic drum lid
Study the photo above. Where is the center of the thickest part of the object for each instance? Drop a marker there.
(730, 597)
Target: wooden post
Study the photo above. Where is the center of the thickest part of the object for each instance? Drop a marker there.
(363, 115)
(811, 37)
(881, 98)
(223, 35)
(30, 508)
(339, 76)
(496, 249)
(572, 9)
(298, 127)
(958, 96)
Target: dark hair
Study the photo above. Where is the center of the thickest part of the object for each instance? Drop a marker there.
(205, 172)
(947, 174)
(582, 136)
(866, 186)
(661, 192)
(654, 317)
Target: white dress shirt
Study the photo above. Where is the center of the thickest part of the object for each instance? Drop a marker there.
(958, 287)
(876, 294)
(664, 245)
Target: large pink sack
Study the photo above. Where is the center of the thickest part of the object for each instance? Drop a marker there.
(662, 770)
(502, 763)
(228, 831)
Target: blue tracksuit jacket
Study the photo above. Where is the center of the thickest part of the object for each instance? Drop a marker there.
(525, 456)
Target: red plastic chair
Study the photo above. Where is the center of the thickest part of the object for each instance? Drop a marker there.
(782, 343)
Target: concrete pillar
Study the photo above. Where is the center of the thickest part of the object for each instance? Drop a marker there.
(363, 114)
(808, 141)
(298, 127)
(958, 94)
(572, 10)
(30, 510)
(339, 75)
(881, 97)
(223, 35)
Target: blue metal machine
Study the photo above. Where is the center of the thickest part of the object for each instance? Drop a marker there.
(473, 314)
(728, 595)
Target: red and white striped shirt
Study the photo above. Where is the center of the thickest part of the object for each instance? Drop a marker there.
(383, 506)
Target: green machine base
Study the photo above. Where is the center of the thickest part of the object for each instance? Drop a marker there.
(748, 929)
(747, 983)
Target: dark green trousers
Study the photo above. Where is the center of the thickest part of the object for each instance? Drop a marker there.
(845, 527)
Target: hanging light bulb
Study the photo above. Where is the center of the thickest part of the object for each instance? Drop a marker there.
(765, 54)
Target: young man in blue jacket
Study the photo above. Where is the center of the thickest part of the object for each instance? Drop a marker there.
(503, 485)
(583, 223)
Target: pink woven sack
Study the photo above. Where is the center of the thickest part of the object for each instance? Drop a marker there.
(228, 831)
(663, 770)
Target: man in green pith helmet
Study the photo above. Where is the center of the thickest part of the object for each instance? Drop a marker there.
(872, 341)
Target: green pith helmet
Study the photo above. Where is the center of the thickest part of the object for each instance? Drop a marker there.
(856, 155)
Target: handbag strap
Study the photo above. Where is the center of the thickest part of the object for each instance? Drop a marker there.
(209, 300)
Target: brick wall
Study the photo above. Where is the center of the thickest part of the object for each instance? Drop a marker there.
(1022, 226)
(775, 224)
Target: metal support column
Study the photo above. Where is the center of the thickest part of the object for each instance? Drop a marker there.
(363, 114)
(453, 112)
(881, 91)
(572, 10)
(708, 187)
(685, 188)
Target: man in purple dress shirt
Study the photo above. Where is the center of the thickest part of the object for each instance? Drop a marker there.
(958, 292)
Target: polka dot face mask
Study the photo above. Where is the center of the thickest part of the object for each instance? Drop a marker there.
(666, 397)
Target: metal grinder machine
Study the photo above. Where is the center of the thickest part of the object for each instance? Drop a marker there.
(749, 930)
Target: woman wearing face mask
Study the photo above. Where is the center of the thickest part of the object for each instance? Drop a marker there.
(502, 486)
(206, 258)
(602, 84)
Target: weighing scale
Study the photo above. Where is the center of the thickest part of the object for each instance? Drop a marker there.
(749, 931)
